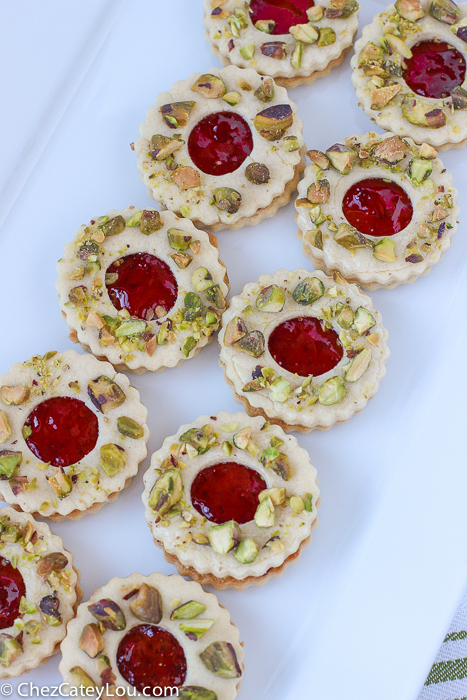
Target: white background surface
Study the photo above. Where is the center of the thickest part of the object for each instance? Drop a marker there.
(362, 615)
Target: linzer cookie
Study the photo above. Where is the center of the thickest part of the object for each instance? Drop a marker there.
(141, 289)
(409, 71)
(379, 209)
(293, 41)
(156, 635)
(73, 433)
(303, 350)
(39, 592)
(231, 499)
(223, 148)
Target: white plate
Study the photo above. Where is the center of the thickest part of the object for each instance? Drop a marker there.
(363, 613)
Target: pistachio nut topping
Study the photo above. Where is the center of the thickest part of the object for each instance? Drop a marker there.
(99, 439)
(326, 321)
(220, 537)
(184, 174)
(135, 615)
(396, 89)
(319, 37)
(405, 182)
(178, 315)
(43, 592)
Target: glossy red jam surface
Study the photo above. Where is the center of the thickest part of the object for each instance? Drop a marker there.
(144, 282)
(64, 430)
(12, 589)
(435, 69)
(377, 207)
(302, 346)
(227, 491)
(285, 13)
(150, 657)
(220, 142)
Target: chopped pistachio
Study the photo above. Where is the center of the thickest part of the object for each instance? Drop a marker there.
(147, 605)
(221, 660)
(187, 611)
(109, 614)
(247, 551)
(332, 391)
(211, 86)
(224, 537)
(201, 279)
(227, 199)
(265, 92)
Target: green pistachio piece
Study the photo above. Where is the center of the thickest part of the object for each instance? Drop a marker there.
(129, 427)
(273, 122)
(384, 250)
(133, 327)
(308, 290)
(10, 649)
(419, 170)
(342, 157)
(341, 9)
(253, 344)
(274, 49)
(271, 299)
(248, 51)
(391, 150)
(445, 11)
(421, 113)
(89, 249)
(308, 502)
(196, 628)
(247, 551)
(332, 391)
(14, 395)
(236, 329)
(276, 494)
(355, 369)
(10, 462)
(265, 515)
(315, 238)
(458, 94)
(109, 614)
(319, 192)
(327, 36)
(211, 86)
(150, 222)
(178, 239)
(91, 640)
(265, 25)
(161, 147)
(61, 484)
(221, 660)
(199, 437)
(56, 561)
(49, 606)
(188, 610)
(363, 320)
(227, 199)
(176, 114)
(77, 295)
(319, 159)
(12, 533)
(163, 335)
(166, 493)
(113, 459)
(279, 463)
(195, 692)
(297, 56)
(81, 678)
(306, 33)
(257, 173)
(215, 296)
(315, 13)
(398, 46)
(297, 504)
(201, 279)
(225, 537)
(113, 226)
(193, 306)
(348, 237)
(290, 144)
(410, 10)
(241, 438)
(345, 317)
(147, 605)
(105, 394)
(280, 390)
(189, 345)
(382, 96)
(265, 92)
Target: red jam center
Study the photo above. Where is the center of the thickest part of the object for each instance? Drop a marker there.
(285, 13)
(377, 207)
(303, 346)
(220, 142)
(227, 491)
(150, 657)
(435, 69)
(144, 283)
(12, 589)
(63, 431)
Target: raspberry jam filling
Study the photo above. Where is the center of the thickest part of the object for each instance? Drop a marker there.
(303, 346)
(150, 657)
(220, 142)
(227, 491)
(435, 69)
(377, 207)
(285, 13)
(12, 589)
(61, 431)
(144, 283)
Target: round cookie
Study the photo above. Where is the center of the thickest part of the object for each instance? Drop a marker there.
(73, 433)
(40, 593)
(293, 42)
(141, 289)
(303, 350)
(148, 633)
(224, 148)
(409, 71)
(231, 499)
(379, 209)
